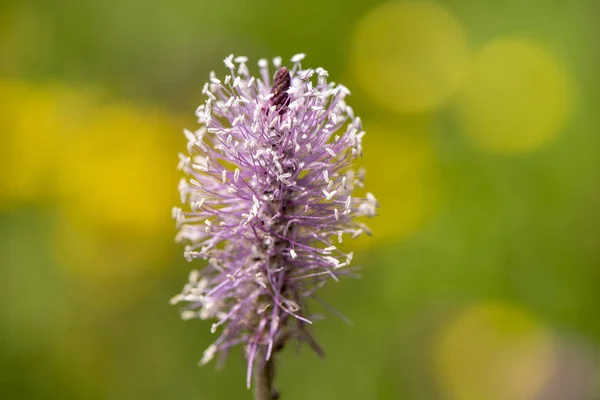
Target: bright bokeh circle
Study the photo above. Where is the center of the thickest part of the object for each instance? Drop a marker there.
(28, 118)
(115, 192)
(401, 173)
(117, 168)
(494, 351)
(516, 97)
(409, 56)
(107, 168)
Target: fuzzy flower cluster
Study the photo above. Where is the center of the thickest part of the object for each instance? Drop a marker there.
(268, 199)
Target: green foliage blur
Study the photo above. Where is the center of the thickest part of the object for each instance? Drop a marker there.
(482, 278)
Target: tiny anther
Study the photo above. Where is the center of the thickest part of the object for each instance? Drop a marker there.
(281, 83)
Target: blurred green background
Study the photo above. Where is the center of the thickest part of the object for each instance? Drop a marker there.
(482, 279)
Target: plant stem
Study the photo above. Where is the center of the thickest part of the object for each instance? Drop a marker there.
(264, 374)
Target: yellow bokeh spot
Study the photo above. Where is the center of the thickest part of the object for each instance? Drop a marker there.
(108, 167)
(30, 117)
(117, 186)
(516, 97)
(494, 351)
(119, 171)
(409, 56)
(400, 167)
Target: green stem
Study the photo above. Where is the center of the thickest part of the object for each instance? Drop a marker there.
(264, 374)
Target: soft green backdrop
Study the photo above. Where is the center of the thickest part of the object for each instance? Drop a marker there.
(482, 279)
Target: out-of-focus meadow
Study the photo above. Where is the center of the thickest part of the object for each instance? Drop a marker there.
(482, 279)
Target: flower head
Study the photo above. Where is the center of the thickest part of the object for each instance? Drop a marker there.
(268, 195)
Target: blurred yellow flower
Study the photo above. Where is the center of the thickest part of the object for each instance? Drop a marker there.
(108, 167)
(117, 184)
(29, 119)
(409, 56)
(516, 97)
(118, 173)
(494, 351)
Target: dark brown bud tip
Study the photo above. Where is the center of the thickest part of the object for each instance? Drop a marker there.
(281, 84)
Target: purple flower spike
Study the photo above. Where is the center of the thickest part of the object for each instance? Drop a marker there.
(268, 195)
